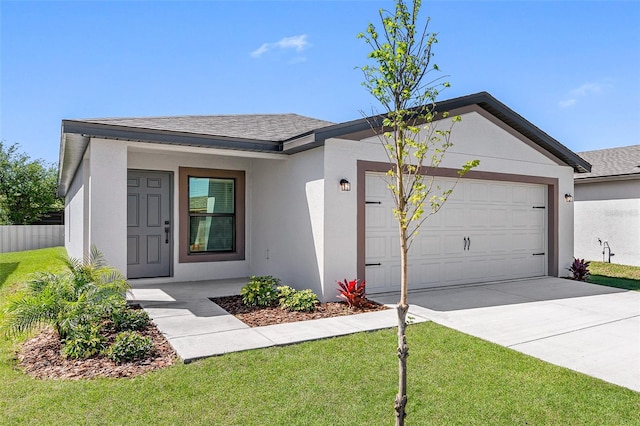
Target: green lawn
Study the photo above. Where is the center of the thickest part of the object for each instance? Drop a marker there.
(613, 275)
(15, 267)
(351, 380)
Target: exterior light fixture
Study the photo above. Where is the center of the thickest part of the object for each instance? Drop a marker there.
(568, 198)
(345, 185)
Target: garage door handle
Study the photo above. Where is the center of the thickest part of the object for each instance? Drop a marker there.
(373, 264)
(538, 254)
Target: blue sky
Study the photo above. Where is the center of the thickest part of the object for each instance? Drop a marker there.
(572, 68)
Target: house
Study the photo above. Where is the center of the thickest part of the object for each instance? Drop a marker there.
(607, 206)
(175, 199)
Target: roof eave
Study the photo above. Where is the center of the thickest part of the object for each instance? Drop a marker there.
(364, 127)
(609, 178)
(76, 135)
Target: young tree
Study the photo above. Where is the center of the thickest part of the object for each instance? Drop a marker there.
(414, 142)
(27, 187)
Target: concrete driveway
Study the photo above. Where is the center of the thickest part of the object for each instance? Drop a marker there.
(584, 327)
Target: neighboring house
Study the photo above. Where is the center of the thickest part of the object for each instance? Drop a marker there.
(212, 197)
(607, 206)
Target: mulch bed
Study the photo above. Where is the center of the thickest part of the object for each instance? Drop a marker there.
(257, 316)
(40, 357)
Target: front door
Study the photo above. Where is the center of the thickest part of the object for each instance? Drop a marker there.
(149, 227)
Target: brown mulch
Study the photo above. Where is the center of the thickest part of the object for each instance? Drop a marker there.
(257, 316)
(40, 357)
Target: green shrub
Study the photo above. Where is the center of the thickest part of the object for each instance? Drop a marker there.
(260, 291)
(128, 319)
(297, 300)
(83, 341)
(128, 346)
(87, 293)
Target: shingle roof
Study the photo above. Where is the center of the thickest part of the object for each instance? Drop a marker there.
(282, 134)
(612, 162)
(270, 127)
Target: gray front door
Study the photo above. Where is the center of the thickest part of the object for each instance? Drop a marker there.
(149, 225)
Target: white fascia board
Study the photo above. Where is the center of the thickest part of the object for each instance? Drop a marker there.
(150, 147)
(614, 178)
(298, 142)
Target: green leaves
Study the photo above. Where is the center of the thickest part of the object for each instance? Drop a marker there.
(66, 300)
(260, 291)
(27, 187)
(414, 134)
(468, 166)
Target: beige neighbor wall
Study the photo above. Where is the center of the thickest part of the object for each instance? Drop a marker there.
(476, 137)
(608, 212)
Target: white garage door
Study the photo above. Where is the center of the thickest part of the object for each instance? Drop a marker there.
(487, 231)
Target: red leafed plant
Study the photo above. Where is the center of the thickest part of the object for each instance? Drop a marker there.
(580, 269)
(353, 292)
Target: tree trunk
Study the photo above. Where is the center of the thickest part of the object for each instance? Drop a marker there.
(403, 349)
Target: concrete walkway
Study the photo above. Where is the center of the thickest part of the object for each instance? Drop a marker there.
(587, 328)
(198, 328)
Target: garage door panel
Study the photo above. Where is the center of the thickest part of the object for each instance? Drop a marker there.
(452, 272)
(520, 194)
(453, 244)
(524, 266)
(537, 219)
(428, 274)
(453, 216)
(376, 187)
(375, 278)
(479, 217)
(427, 245)
(499, 193)
(375, 247)
(478, 192)
(537, 195)
(498, 269)
(478, 244)
(459, 193)
(486, 231)
(499, 242)
(434, 222)
(476, 269)
(527, 242)
(377, 217)
(499, 217)
(393, 246)
(521, 217)
(536, 242)
(394, 276)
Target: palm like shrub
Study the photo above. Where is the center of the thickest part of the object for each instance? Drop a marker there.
(89, 291)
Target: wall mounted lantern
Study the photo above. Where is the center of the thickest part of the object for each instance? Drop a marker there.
(345, 185)
(568, 198)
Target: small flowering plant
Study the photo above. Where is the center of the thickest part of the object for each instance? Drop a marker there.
(353, 292)
(580, 269)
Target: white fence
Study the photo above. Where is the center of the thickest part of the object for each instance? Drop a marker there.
(30, 237)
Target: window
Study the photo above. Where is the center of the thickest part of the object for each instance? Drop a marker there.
(211, 215)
